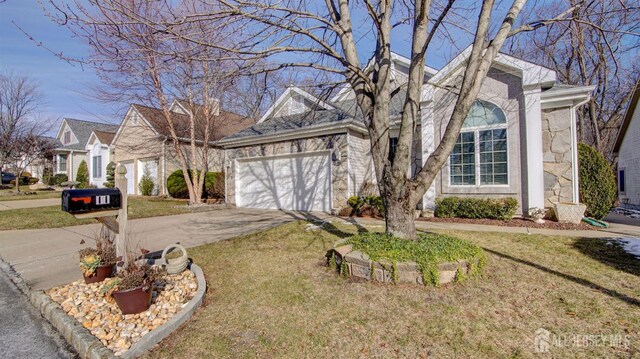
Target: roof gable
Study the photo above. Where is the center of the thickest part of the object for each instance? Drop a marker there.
(295, 94)
(82, 131)
(532, 74)
(628, 117)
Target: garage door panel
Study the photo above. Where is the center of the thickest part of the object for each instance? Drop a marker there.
(299, 182)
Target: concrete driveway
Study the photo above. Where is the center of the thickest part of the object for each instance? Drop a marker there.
(48, 257)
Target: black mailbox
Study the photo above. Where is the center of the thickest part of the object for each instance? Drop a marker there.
(91, 200)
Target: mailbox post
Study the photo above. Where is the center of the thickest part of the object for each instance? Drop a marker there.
(103, 204)
(121, 237)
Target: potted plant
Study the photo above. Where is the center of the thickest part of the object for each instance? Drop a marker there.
(131, 288)
(97, 263)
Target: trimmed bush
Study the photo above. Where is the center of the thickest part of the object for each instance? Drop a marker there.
(598, 188)
(213, 185)
(366, 205)
(83, 175)
(33, 180)
(111, 175)
(58, 179)
(475, 208)
(147, 184)
(25, 174)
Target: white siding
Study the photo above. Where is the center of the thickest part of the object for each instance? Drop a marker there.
(360, 163)
(629, 161)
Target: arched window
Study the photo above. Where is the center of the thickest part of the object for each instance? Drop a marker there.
(480, 154)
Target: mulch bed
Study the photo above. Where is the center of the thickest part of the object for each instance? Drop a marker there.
(516, 222)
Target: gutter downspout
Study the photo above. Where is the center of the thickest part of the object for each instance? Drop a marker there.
(574, 150)
(164, 161)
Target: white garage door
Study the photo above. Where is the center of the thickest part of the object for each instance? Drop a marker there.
(131, 183)
(299, 182)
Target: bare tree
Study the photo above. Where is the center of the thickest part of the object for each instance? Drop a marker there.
(326, 37)
(20, 123)
(30, 149)
(138, 63)
(600, 47)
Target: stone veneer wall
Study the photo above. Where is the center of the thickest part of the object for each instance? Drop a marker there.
(337, 143)
(556, 145)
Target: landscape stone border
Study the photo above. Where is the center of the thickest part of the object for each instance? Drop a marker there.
(360, 265)
(90, 347)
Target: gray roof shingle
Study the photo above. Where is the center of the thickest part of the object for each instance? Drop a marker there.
(346, 113)
(82, 130)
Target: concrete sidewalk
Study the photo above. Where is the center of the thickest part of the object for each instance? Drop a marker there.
(45, 258)
(28, 203)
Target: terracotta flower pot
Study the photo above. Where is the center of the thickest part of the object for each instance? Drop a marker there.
(101, 273)
(133, 301)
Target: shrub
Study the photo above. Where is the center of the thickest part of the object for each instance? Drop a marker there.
(147, 184)
(214, 184)
(176, 186)
(47, 176)
(598, 188)
(83, 175)
(25, 174)
(457, 207)
(33, 180)
(58, 179)
(111, 175)
(366, 205)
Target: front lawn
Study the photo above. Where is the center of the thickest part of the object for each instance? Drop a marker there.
(271, 296)
(10, 195)
(54, 217)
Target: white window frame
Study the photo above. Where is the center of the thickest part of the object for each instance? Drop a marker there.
(97, 167)
(476, 131)
(66, 163)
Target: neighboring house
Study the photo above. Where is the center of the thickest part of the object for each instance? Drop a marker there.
(519, 140)
(626, 149)
(144, 141)
(99, 151)
(36, 167)
(72, 150)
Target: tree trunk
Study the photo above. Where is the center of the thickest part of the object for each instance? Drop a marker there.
(400, 220)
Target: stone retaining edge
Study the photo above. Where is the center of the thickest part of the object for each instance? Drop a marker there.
(155, 336)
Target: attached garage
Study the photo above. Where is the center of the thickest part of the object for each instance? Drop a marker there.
(300, 182)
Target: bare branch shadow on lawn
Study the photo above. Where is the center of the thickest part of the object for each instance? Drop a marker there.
(609, 252)
(326, 223)
(610, 292)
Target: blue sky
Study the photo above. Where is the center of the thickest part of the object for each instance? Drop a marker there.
(66, 87)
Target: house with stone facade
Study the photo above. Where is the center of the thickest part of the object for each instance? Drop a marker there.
(143, 141)
(626, 149)
(519, 140)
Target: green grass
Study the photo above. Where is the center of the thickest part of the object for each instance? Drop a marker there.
(54, 217)
(6, 195)
(430, 250)
(271, 296)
